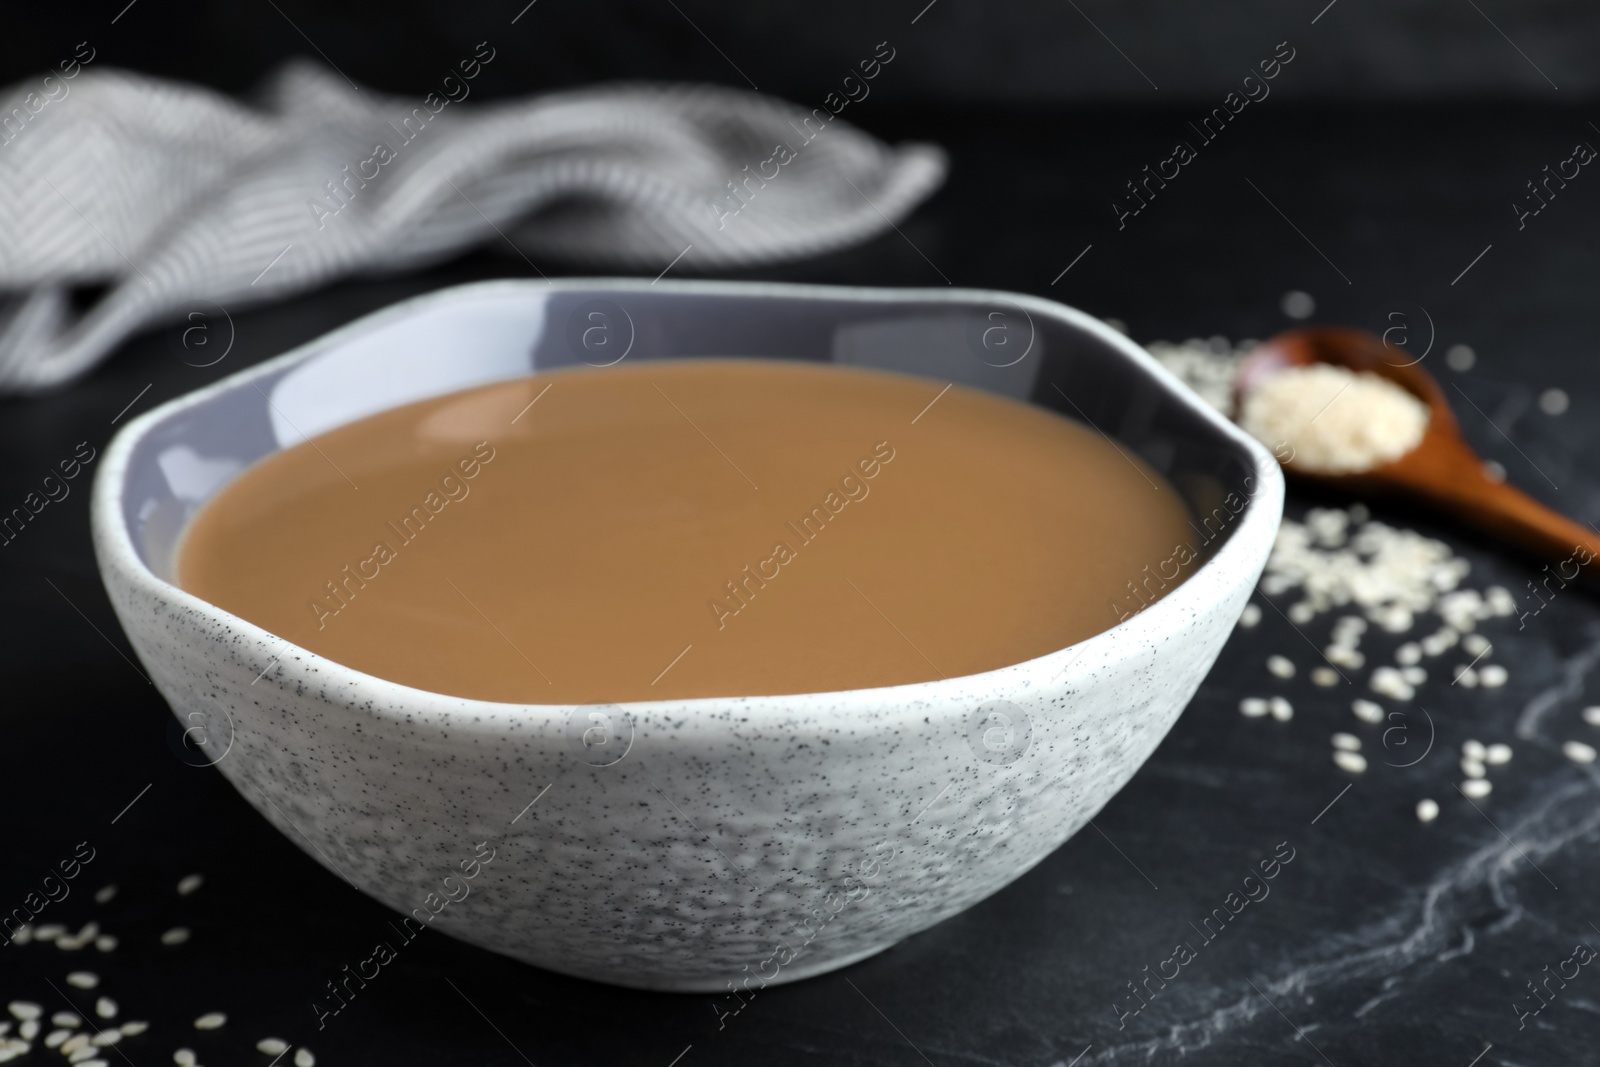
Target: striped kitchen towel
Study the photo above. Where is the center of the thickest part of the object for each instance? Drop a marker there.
(176, 199)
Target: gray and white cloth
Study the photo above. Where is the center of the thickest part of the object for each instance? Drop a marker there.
(178, 199)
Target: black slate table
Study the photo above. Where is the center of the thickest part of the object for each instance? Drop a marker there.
(1383, 941)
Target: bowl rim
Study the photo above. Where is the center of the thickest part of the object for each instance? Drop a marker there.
(1255, 528)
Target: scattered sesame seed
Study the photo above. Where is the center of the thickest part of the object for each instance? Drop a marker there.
(272, 1046)
(1250, 616)
(1408, 654)
(135, 1028)
(184, 1057)
(55, 1037)
(49, 932)
(1475, 644)
(104, 894)
(1414, 675)
(1492, 676)
(106, 1038)
(1460, 357)
(1591, 715)
(76, 1043)
(1281, 709)
(1554, 401)
(304, 1058)
(1497, 753)
(1301, 613)
(1474, 750)
(28, 1030)
(1253, 707)
(1471, 767)
(83, 979)
(1495, 470)
(94, 1063)
(66, 1019)
(211, 1020)
(1367, 711)
(1280, 666)
(1326, 677)
(1353, 762)
(1476, 788)
(1298, 304)
(1347, 742)
(1390, 683)
(22, 935)
(106, 943)
(189, 883)
(175, 936)
(1466, 677)
(106, 1008)
(1578, 752)
(24, 1009)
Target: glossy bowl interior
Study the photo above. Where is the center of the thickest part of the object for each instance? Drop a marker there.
(682, 844)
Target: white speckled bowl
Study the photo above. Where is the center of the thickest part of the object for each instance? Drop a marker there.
(693, 844)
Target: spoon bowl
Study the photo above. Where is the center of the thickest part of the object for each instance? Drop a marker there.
(1442, 471)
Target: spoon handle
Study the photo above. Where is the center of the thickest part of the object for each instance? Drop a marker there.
(1567, 548)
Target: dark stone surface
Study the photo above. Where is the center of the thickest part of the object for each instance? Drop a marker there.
(995, 53)
(1383, 941)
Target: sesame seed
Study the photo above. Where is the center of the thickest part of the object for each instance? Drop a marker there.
(55, 1037)
(1554, 401)
(28, 1030)
(1414, 675)
(1281, 709)
(1280, 666)
(1497, 753)
(175, 936)
(211, 1020)
(1326, 677)
(106, 1038)
(24, 1009)
(1353, 762)
(1301, 613)
(1390, 683)
(1250, 616)
(134, 1029)
(94, 1063)
(1466, 677)
(75, 1043)
(1367, 711)
(1476, 788)
(1578, 752)
(1408, 654)
(1475, 644)
(304, 1058)
(106, 1008)
(66, 1019)
(272, 1046)
(1493, 676)
(1474, 750)
(1471, 767)
(189, 883)
(1347, 742)
(1253, 707)
(104, 894)
(49, 932)
(184, 1057)
(1297, 304)
(106, 943)
(83, 979)
(1460, 357)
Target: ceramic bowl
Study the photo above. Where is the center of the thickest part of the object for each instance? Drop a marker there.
(686, 845)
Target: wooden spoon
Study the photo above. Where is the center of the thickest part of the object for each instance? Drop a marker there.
(1442, 472)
